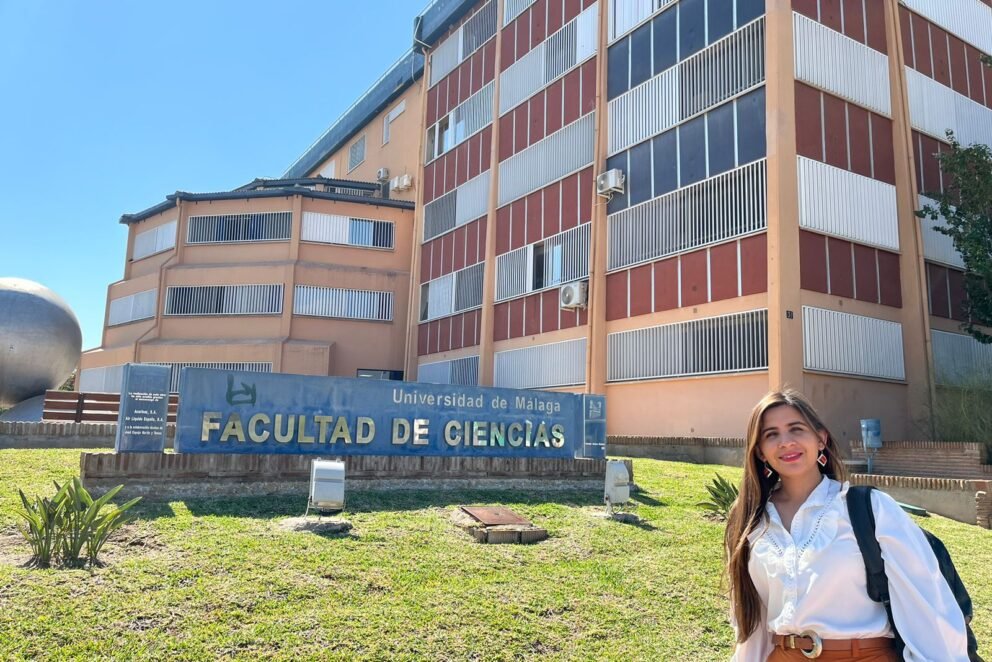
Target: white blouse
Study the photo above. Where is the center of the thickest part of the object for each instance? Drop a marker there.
(813, 578)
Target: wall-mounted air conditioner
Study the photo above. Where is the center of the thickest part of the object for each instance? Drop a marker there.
(610, 182)
(573, 295)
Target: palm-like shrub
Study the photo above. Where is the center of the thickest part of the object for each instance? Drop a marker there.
(70, 523)
(40, 526)
(723, 493)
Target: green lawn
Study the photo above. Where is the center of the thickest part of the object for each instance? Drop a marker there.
(206, 579)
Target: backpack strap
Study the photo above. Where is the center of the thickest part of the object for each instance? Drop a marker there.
(863, 523)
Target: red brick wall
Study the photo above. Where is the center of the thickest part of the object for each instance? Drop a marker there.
(927, 458)
(724, 271)
(934, 52)
(454, 168)
(855, 271)
(555, 208)
(947, 293)
(851, 21)
(560, 103)
(449, 333)
(841, 134)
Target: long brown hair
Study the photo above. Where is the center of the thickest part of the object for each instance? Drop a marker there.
(747, 511)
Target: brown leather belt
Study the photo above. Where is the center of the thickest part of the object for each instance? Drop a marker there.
(809, 643)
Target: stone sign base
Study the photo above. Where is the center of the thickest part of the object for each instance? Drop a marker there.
(193, 475)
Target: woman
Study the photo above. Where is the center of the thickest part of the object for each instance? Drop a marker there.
(794, 563)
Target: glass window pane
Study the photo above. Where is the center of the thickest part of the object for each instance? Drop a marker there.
(721, 17)
(692, 151)
(639, 177)
(618, 69)
(692, 27)
(640, 55)
(666, 40)
(751, 127)
(666, 163)
(721, 138)
(748, 10)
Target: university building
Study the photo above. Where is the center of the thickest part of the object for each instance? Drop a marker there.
(678, 203)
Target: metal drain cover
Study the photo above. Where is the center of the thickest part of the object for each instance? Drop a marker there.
(494, 515)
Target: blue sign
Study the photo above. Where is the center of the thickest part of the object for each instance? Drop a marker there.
(144, 409)
(224, 411)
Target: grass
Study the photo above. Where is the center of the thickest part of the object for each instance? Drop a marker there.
(207, 579)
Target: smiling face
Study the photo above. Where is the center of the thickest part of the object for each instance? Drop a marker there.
(787, 442)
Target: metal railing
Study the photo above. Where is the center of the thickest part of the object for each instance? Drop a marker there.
(712, 345)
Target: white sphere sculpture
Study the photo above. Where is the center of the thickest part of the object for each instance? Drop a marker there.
(40, 340)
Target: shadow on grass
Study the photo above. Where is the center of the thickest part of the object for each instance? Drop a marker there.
(266, 507)
(645, 499)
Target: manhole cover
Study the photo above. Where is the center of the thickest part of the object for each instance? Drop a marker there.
(494, 515)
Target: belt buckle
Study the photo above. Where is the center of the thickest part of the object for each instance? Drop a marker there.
(817, 644)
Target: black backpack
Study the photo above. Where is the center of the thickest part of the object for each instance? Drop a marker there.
(863, 522)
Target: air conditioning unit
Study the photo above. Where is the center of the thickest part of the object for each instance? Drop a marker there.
(610, 182)
(573, 295)
(382, 174)
(401, 183)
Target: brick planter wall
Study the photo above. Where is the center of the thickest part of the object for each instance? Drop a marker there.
(52, 434)
(167, 475)
(940, 459)
(936, 459)
(968, 501)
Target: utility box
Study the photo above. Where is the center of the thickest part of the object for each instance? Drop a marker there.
(871, 439)
(871, 433)
(327, 485)
(617, 490)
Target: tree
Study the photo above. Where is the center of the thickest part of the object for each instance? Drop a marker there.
(965, 208)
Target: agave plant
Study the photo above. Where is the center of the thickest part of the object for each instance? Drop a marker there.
(84, 525)
(70, 522)
(41, 527)
(723, 493)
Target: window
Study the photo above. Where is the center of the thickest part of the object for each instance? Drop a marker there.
(154, 241)
(452, 293)
(464, 372)
(727, 137)
(466, 119)
(349, 304)
(391, 375)
(356, 153)
(692, 151)
(224, 300)
(720, 140)
(542, 366)
(640, 50)
(563, 258)
(133, 307)
(176, 369)
(550, 59)
(231, 228)
(731, 343)
(334, 229)
(389, 118)
(329, 170)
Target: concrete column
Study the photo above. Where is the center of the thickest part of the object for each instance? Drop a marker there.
(413, 311)
(486, 368)
(785, 332)
(289, 279)
(596, 327)
(918, 348)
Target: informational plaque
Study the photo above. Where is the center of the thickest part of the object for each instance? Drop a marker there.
(248, 412)
(144, 409)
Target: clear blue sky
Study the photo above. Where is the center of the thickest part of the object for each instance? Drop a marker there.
(106, 107)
